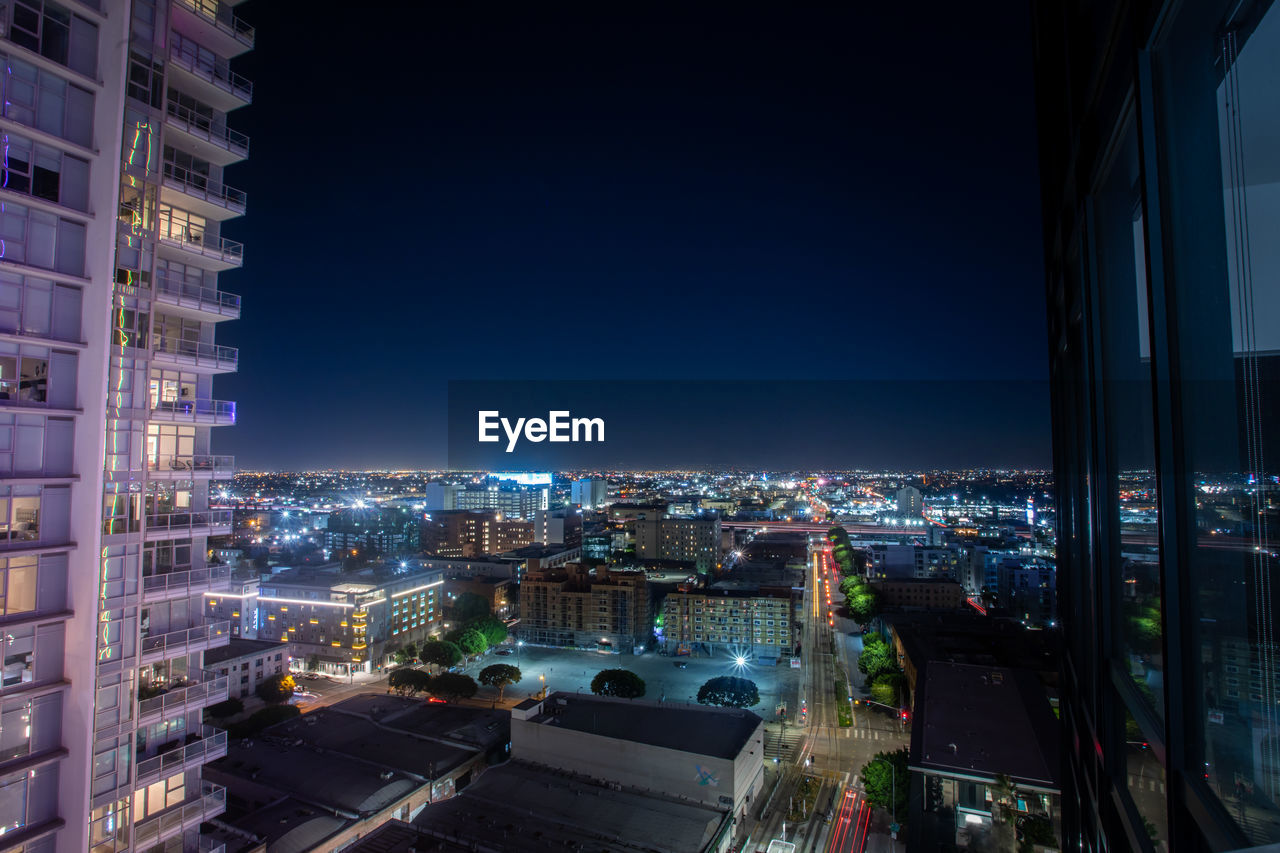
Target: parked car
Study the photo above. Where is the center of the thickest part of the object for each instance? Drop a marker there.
(681, 665)
(503, 652)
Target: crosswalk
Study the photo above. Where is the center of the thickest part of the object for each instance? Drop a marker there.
(872, 734)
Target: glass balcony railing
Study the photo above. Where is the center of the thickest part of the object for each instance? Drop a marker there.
(193, 464)
(210, 744)
(180, 641)
(170, 822)
(207, 688)
(221, 16)
(210, 355)
(203, 187)
(184, 583)
(188, 523)
(213, 69)
(205, 298)
(199, 411)
(204, 127)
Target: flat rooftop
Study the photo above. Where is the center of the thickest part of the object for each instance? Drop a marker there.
(519, 807)
(975, 720)
(715, 732)
(238, 648)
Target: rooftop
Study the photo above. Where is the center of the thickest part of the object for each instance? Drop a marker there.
(982, 721)
(715, 732)
(238, 648)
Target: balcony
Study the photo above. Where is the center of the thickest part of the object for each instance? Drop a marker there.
(204, 137)
(158, 647)
(161, 587)
(210, 358)
(178, 243)
(198, 193)
(211, 744)
(194, 301)
(174, 821)
(194, 467)
(213, 25)
(188, 411)
(184, 525)
(208, 688)
(207, 76)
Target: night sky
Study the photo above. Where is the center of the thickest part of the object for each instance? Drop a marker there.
(535, 191)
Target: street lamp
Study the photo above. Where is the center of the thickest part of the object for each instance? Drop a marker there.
(519, 646)
(543, 693)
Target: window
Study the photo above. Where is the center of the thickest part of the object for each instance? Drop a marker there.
(49, 29)
(33, 306)
(46, 173)
(41, 239)
(46, 102)
(17, 585)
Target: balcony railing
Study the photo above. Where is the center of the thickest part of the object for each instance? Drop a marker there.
(203, 63)
(207, 689)
(201, 186)
(177, 640)
(194, 464)
(193, 240)
(179, 523)
(211, 355)
(221, 16)
(190, 581)
(204, 127)
(168, 823)
(212, 743)
(207, 298)
(200, 411)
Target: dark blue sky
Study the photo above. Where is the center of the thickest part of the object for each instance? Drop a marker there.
(463, 190)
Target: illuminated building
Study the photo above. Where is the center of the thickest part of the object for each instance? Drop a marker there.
(464, 534)
(589, 493)
(513, 501)
(343, 622)
(575, 607)
(115, 138)
(687, 540)
(756, 624)
(910, 503)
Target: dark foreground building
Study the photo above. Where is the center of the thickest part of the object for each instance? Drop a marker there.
(1160, 155)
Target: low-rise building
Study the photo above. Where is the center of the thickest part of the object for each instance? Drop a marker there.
(750, 622)
(920, 593)
(246, 664)
(711, 756)
(237, 605)
(473, 533)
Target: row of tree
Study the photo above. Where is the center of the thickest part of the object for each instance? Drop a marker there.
(878, 663)
(724, 690)
(471, 639)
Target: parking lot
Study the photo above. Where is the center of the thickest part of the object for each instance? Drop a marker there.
(571, 671)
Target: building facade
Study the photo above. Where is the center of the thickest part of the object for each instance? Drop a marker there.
(116, 138)
(474, 533)
(589, 493)
(576, 606)
(753, 624)
(1160, 162)
(247, 663)
(687, 540)
(512, 501)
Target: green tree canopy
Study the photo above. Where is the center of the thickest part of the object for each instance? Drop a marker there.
(618, 682)
(409, 681)
(276, 689)
(729, 691)
(499, 675)
(882, 786)
(453, 685)
(440, 653)
(864, 606)
(876, 660)
(887, 688)
(405, 656)
(493, 629)
(470, 606)
(472, 642)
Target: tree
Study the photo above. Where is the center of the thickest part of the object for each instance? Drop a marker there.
(493, 629)
(453, 685)
(882, 783)
(876, 660)
(409, 681)
(864, 606)
(499, 675)
(886, 688)
(406, 655)
(729, 691)
(276, 689)
(618, 682)
(440, 653)
(472, 642)
(469, 606)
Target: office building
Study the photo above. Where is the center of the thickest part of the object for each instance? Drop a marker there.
(1160, 156)
(474, 533)
(582, 608)
(753, 623)
(386, 530)
(910, 503)
(688, 540)
(512, 500)
(441, 496)
(115, 141)
(557, 527)
(920, 593)
(343, 622)
(589, 494)
(647, 746)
